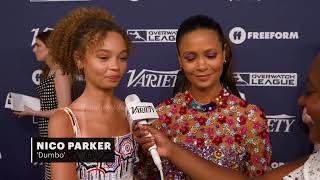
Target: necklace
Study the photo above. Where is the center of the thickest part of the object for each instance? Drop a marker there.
(218, 101)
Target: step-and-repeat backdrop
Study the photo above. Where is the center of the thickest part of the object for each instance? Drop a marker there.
(274, 43)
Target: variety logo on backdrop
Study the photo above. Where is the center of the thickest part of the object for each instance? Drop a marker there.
(238, 35)
(36, 32)
(280, 123)
(152, 78)
(152, 35)
(266, 79)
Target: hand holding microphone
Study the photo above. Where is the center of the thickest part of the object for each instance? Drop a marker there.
(143, 113)
(164, 144)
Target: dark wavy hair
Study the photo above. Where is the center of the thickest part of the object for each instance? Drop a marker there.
(205, 22)
(44, 36)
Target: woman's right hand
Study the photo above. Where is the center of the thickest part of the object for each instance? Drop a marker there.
(141, 135)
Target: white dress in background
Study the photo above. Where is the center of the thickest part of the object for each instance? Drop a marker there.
(309, 171)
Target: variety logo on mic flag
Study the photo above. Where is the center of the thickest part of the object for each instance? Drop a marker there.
(142, 110)
(72, 150)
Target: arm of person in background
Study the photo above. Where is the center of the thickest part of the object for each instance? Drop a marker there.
(193, 165)
(60, 127)
(63, 92)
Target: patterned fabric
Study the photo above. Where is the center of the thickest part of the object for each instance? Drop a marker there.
(309, 171)
(125, 157)
(48, 101)
(233, 134)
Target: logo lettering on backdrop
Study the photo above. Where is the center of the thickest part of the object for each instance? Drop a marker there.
(280, 123)
(152, 78)
(238, 35)
(266, 79)
(36, 32)
(275, 165)
(56, 0)
(0, 156)
(244, 0)
(36, 75)
(152, 35)
(243, 96)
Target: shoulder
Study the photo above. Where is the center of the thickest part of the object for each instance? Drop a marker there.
(60, 124)
(59, 74)
(251, 110)
(170, 102)
(119, 105)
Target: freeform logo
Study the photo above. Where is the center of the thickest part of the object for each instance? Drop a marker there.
(36, 76)
(280, 123)
(152, 78)
(238, 35)
(152, 35)
(266, 79)
(275, 165)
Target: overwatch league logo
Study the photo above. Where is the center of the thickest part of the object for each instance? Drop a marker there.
(266, 79)
(152, 35)
(152, 78)
(280, 123)
(238, 35)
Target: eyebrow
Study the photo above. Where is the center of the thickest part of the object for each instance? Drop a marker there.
(108, 51)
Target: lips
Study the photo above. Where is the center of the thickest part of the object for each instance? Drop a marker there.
(203, 77)
(114, 77)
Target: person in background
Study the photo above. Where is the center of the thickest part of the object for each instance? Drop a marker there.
(54, 89)
(306, 118)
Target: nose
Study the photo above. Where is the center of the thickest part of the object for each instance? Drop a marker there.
(34, 49)
(202, 64)
(114, 64)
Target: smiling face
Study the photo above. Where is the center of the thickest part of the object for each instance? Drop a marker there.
(201, 57)
(105, 66)
(311, 100)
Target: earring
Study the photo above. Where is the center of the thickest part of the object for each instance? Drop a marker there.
(80, 75)
(225, 61)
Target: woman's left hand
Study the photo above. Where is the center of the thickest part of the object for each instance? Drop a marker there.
(26, 112)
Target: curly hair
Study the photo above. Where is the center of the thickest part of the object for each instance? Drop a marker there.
(82, 29)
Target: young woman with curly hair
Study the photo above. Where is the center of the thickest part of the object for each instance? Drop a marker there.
(89, 42)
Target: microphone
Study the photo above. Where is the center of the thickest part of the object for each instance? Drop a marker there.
(143, 113)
